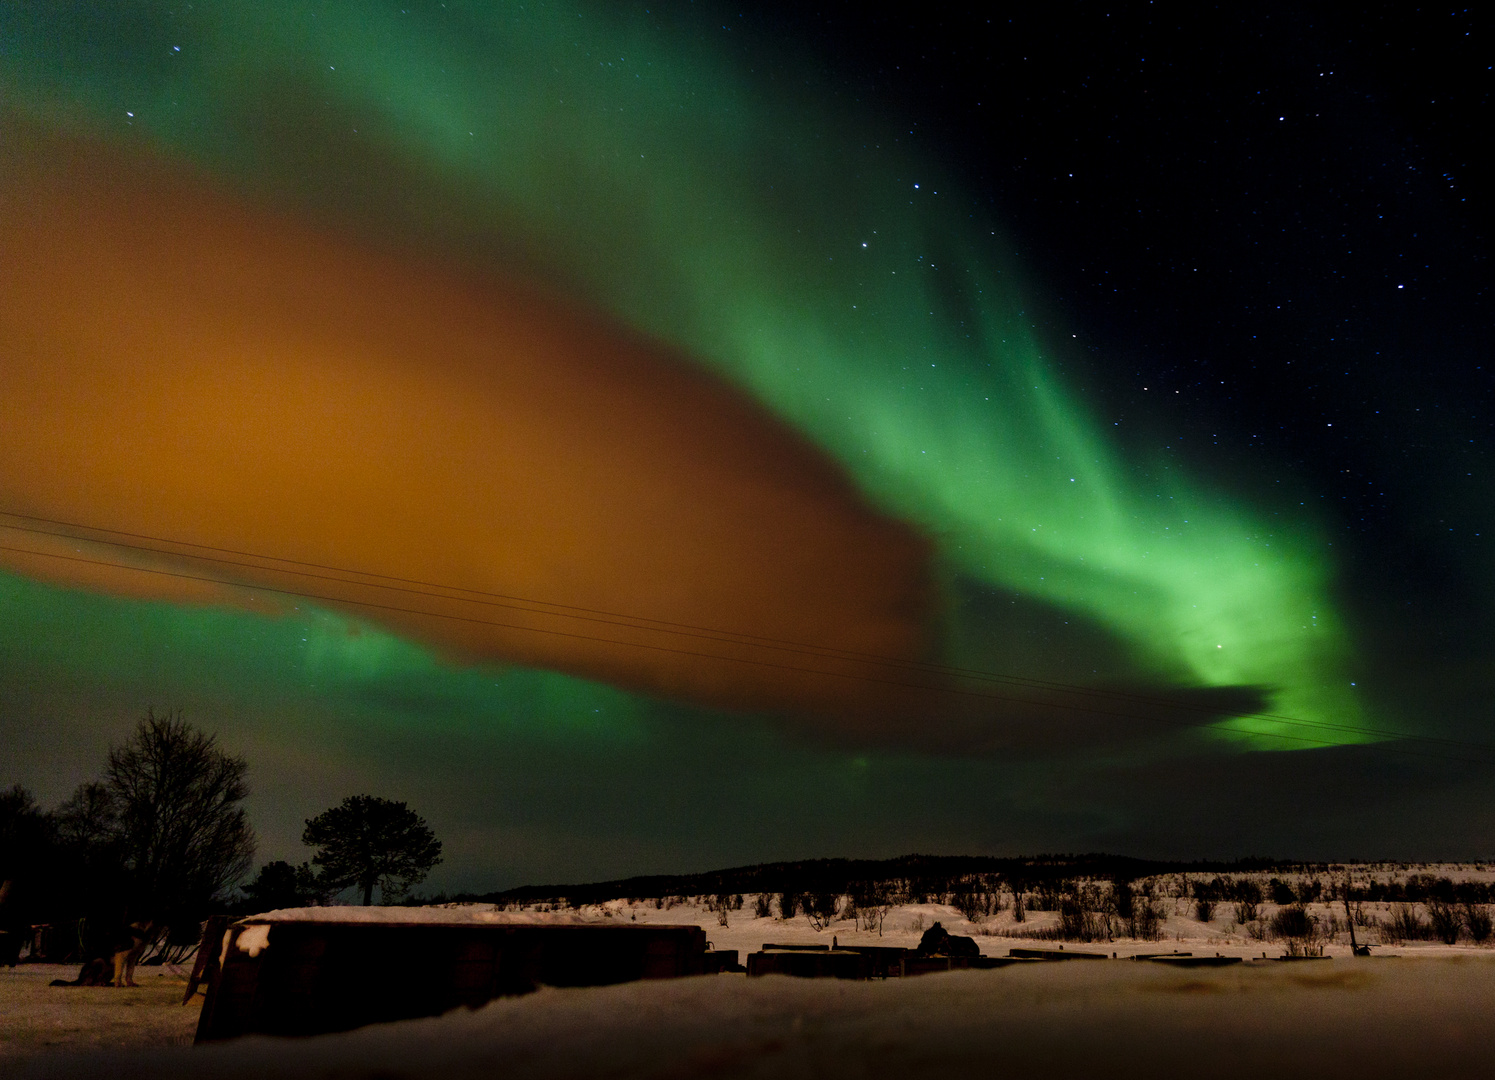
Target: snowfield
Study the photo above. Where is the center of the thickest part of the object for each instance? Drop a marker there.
(1412, 1010)
(904, 925)
(36, 1018)
(1352, 1018)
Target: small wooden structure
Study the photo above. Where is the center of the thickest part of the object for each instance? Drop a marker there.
(1054, 954)
(810, 963)
(861, 962)
(303, 977)
(1188, 960)
(721, 961)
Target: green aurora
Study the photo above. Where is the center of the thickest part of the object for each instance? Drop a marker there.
(769, 230)
(702, 188)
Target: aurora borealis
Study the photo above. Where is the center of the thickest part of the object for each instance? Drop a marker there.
(632, 319)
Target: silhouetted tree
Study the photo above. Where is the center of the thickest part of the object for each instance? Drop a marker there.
(91, 880)
(183, 836)
(23, 834)
(89, 820)
(281, 885)
(368, 841)
(27, 855)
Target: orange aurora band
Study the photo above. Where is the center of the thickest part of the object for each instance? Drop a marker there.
(177, 364)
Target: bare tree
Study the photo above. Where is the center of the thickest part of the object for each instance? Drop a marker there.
(184, 837)
(89, 820)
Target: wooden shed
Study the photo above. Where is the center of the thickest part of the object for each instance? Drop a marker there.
(302, 976)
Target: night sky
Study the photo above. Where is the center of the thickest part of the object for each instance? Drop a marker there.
(654, 438)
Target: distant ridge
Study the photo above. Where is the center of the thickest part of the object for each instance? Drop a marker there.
(922, 873)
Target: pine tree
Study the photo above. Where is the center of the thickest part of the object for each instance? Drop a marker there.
(368, 841)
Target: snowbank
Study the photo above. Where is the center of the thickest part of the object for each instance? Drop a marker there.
(1361, 1018)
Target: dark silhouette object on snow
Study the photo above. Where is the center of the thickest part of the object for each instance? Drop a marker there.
(209, 955)
(112, 959)
(96, 972)
(937, 941)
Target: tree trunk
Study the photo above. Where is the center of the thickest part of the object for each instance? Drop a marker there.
(1349, 916)
(368, 893)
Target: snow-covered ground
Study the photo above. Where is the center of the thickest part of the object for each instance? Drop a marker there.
(1416, 1008)
(36, 1018)
(904, 925)
(1346, 1017)
(1172, 896)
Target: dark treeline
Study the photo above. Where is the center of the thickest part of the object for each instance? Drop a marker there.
(1424, 888)
(920, 877)
(133, 863)
(1329, 885)
(141, 854)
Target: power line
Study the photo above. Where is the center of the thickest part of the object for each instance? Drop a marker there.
(633, 622)
(420, 588)
(1087, 709)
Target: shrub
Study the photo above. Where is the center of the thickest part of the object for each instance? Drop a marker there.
(1406, 924)
(1076, 923)
(1247, 891)
(763, 905)
(721, 903)
(821, 909)
(788, 905)
(1050, 896)
(1305, 947)
(1145, 923)
(1437, 888)
(1246, 911)
(872, 917)
(1447, 921)
(1477, 922)
(869, 904)
(1213, 891)
(1204, 909)
(1293, 921)
(972, 905)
